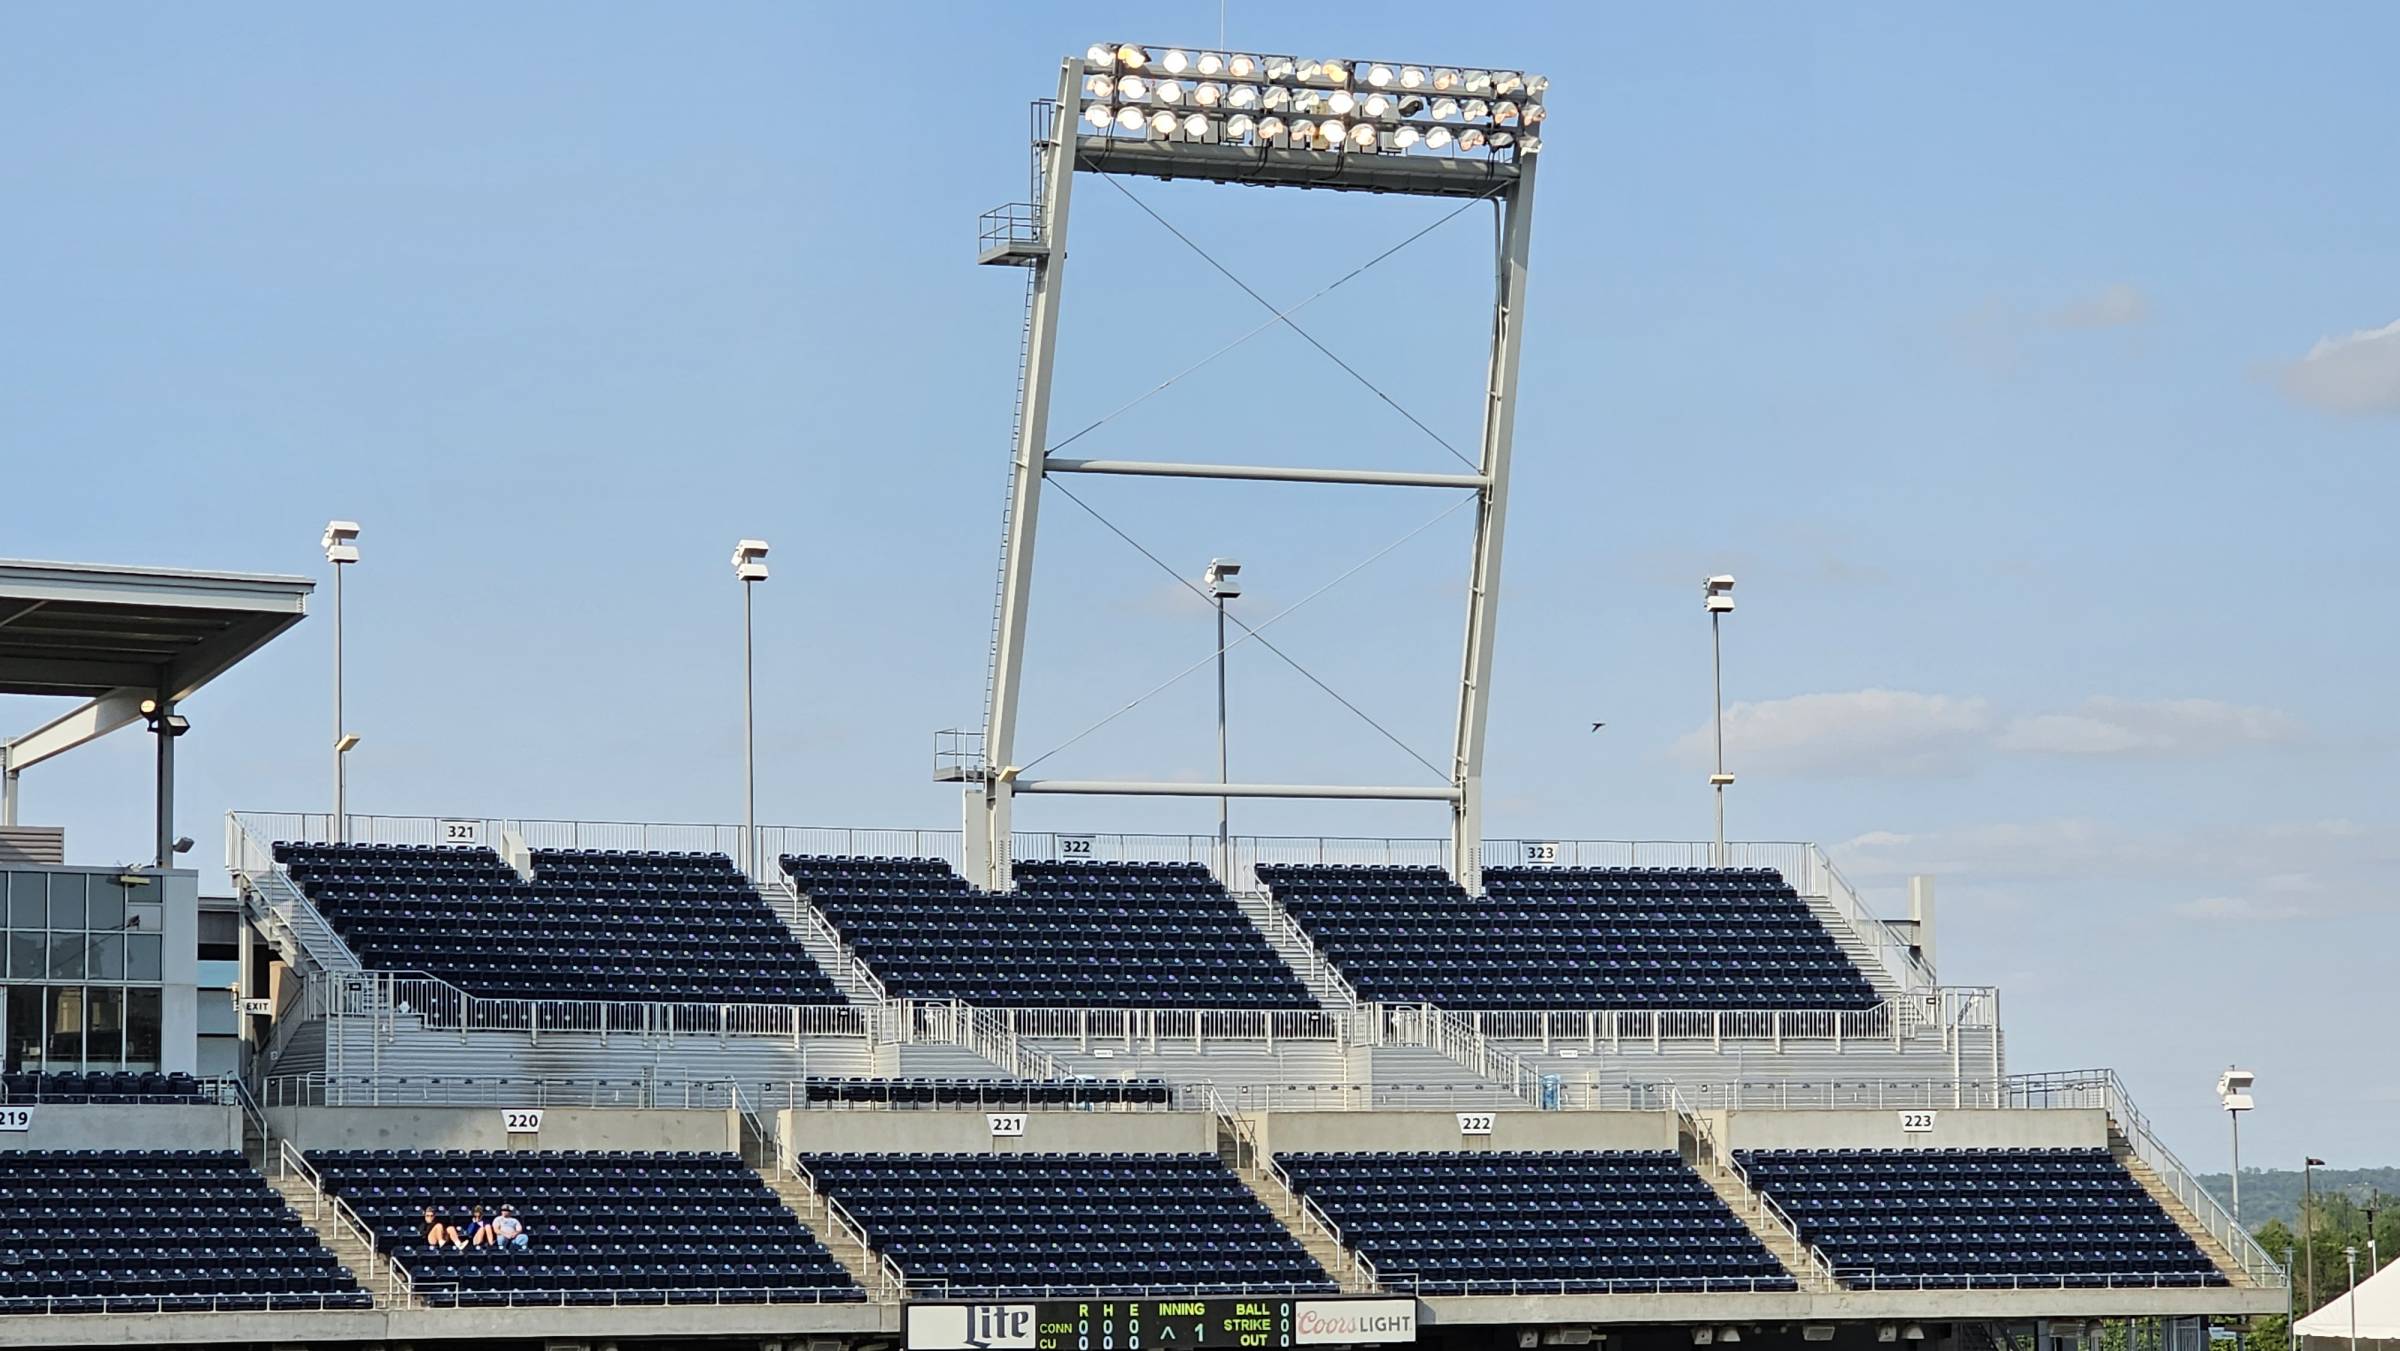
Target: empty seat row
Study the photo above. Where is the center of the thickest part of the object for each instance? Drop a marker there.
(68, 1088)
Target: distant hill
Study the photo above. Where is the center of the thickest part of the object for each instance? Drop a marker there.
(2274, 1193)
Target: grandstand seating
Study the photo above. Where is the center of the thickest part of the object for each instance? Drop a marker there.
(1540, 938)
(602, 1228)
(592, 924)
(1066, 1223)
(144, 1231)
(920, 1092)
(67, 1089)
(1069, 935)
(1493, 1222)
(1971, 1218)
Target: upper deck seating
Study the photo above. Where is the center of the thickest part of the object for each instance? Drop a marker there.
(1979, 1218)
(1545, 938)
(1502, 1222)
(152, 1230)
(592, 924)
(1069, 935)
(1066, 1224)
(615, 1227)
(128, 1088)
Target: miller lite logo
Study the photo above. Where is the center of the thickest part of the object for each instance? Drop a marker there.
(971, 1327)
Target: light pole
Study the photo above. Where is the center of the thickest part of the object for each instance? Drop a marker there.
(2352, 1254)
(341, 548)
(749, 568)
(1718, 592)
(2233, 1090)
(1223, 580)
(2308, 1205)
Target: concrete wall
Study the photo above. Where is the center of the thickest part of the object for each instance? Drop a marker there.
(179, 1002)
(481, 1128)
(967, 1132)
(1968, 1128)
(124, 1126)
(1313, 1132)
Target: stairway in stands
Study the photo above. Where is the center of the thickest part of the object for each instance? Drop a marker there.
(1751, 1210)
(1854, 945)
(1298, 951)
(334, 1236)
(1285, 1207)
(2121, 1149)
(804, 1201)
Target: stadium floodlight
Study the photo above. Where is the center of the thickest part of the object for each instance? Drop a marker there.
(1116, 75)
(749, 568)
(2233, 1090)
(1327, 122)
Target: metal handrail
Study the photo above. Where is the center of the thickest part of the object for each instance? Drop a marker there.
(1704, 1138)
(779, 892)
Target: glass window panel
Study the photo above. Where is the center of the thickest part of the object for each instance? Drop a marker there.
(108, 957)
(23, 1047)
(141, 956)
(141, 1029)
(103, 1028)
(66, 957)
(66, 900)
(66, 1027)
(28, 907)
(146, 916)
(107, 906)
(28, 958)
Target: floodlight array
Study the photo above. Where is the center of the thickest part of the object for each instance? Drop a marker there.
(1133, 91)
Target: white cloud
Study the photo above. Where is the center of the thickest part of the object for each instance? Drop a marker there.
(2356, 373)
(1857, 732)
(2116, 305)
(2111, 726)
(2240, 909)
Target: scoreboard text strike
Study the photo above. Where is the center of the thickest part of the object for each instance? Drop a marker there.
(1230, 1323)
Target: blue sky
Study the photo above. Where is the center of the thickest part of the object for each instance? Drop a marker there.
(2030, 368)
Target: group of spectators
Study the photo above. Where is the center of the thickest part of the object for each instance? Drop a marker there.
(503, 1232)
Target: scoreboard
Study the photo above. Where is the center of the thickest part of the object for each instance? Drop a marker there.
(1215, 1323)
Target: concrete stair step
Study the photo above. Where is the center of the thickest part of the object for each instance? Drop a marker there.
(335, 1236)
(1320, 1245)
(803, 1201)
(1779, 1242)
(2121, 1149)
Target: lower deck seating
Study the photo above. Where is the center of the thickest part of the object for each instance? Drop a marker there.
(1979, 1218)
(1003, 1093)
(1507, 1222)
(70, 1089)
(601, 1228)
(147, 1231)
(1067, 1224)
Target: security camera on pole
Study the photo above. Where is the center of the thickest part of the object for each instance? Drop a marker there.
(1718, 592)
(2233, 1090)
(341, 547)
(1223, 580)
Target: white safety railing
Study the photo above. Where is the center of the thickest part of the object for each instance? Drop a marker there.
(801, 915)
(891, 1283)
(1154, 1030)
(292, 1163)
(1713, 1154)
(1298, 947)
(1948, 1008)
(2104, 1089)
(436, 1005)
(1289, 1201)
(1818, 877)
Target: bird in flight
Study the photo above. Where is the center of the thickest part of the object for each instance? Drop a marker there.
(1598, 725)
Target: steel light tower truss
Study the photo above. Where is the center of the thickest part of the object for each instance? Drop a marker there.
(1237, 117)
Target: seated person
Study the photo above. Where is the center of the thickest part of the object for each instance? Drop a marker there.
(438, 1234)
(478, 1230)
(508, 1232)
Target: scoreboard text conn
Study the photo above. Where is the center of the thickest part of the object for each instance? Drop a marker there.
(1231, 1323)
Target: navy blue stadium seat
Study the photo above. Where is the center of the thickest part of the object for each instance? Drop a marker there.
(102, 1088)
(1572, 938)
(1113, 935)
(147, 1230)
(592, 924)
(1979, 1218)
(1067, 1223)
(616, 1227)
(1495, 1222)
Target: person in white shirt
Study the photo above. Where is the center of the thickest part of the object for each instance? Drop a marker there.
(508, 1232)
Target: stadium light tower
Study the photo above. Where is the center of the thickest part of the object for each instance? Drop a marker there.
(749, 568)
(341, 549)
(2233, 1090)
(1224, 582)
(1124, 109)
(1717, 592)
